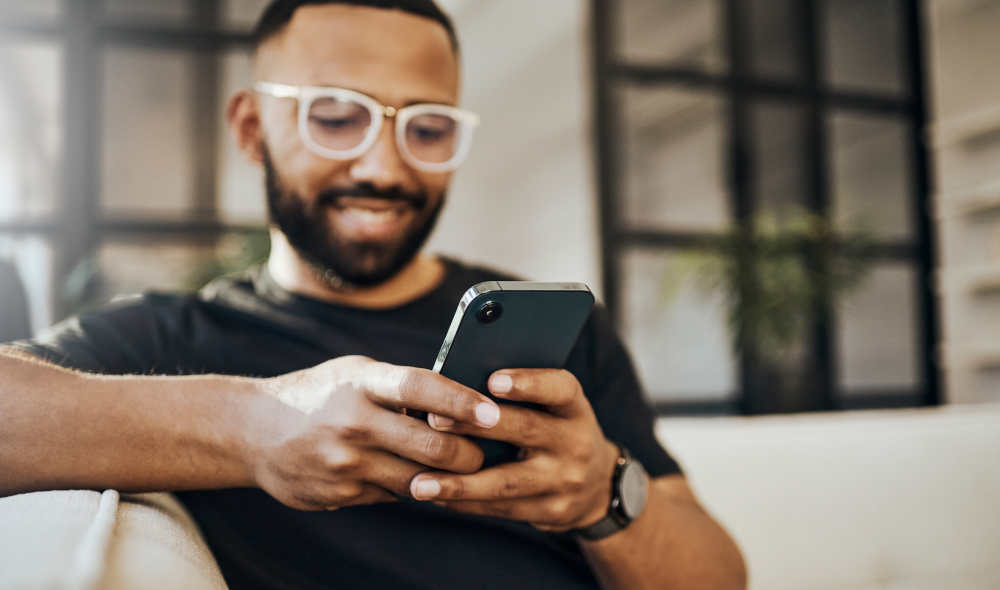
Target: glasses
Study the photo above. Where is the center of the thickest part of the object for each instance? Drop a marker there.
(343, 124)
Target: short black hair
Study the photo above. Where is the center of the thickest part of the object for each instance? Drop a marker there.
(279, 12)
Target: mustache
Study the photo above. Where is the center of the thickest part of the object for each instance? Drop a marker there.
(331, 196)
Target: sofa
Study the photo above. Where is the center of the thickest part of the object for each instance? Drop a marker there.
(898, 499)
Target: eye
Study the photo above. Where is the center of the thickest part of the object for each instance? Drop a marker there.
(428, 129)
(335, 123)
(428, 134)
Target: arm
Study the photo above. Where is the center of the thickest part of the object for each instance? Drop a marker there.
(673, 544)
(64, 429)
(563, 482)
(325, 437)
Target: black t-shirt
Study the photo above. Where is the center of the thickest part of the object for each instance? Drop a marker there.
(250, 326)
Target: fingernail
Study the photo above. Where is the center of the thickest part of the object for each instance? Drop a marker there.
(502, 384)
(487, 415)
(426, 488)
(441, 421)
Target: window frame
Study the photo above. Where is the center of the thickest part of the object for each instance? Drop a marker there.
(83, 32)
(740, 86)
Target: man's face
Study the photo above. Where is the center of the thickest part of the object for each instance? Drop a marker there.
(361, 219)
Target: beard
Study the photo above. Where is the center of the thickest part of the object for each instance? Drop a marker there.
(340, 261)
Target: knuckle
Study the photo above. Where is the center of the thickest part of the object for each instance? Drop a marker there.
(343, 460)
(353, 431)
(303, 501)
(567, 376)
(528, 381)
(440, 448)
(515, 486)
(530, 428)
(511, 488)
(346, 490)
(581, 448)
(574, 389)
(560, 510)
(412, 384)
(575, 478)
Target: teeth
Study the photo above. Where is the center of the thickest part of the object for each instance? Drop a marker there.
(370, 216)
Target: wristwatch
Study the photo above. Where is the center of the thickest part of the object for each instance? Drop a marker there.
(629, 486)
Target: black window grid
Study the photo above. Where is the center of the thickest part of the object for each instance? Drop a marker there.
(741, 86)
(83, 32)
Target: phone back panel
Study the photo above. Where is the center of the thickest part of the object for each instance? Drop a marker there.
(537, 327)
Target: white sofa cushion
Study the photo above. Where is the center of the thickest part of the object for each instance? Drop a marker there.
(853, 500)
(83, 540)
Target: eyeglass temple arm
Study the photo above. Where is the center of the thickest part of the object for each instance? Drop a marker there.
(277, 90)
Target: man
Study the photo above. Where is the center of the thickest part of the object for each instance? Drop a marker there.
(304, 472)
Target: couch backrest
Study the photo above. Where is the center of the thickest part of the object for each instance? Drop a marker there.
(13, 305)
(856, 500)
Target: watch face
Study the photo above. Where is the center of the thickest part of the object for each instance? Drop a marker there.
(633, 490)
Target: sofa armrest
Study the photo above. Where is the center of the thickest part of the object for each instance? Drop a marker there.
(83, 539)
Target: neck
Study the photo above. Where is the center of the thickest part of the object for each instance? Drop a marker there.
(293, 273)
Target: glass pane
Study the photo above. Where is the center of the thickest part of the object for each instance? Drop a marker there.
(674, 160)
(779, 317)
(17, 9)
(242, 14)
(686, 33)
(864, 40)
(775, 37)
(675, 326)
(239, 183)
(147, 165)
(780, 174)
(31, 128)
(870, 175)
(877, 341)
(32, 255)
(170, 12)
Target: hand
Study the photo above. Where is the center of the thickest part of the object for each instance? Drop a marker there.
(564, 478)
(333, 435)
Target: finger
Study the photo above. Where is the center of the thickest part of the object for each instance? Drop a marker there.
(413, 439)
(330, 495)
(370, 494)
(509, 480)
(420, 389)
(556, 389)
(524, 427)
(388, 472)
(552, 512)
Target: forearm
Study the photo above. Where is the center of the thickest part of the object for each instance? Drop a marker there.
(673, 544)
(63, 429)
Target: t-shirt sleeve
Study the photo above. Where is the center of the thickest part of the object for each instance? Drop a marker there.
(128, 337)
(614, 392)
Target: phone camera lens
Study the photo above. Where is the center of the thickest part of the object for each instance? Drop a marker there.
(489, 312)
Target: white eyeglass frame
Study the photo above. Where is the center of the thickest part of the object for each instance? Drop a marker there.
(307, 94)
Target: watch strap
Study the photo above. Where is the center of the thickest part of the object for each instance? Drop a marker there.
(605, 527)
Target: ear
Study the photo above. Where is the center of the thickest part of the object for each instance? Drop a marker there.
(243, 116)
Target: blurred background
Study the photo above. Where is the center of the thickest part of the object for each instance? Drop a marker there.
(787, 205)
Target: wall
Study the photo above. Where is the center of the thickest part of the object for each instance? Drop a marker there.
(965, 135)
(525, 200)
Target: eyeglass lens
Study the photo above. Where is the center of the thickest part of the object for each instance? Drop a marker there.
(343, 124)
(338, 124)
(432, 138)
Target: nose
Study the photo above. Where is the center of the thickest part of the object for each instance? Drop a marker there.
(382, 165)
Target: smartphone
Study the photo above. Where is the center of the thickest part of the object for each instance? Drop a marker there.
(511, 325)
